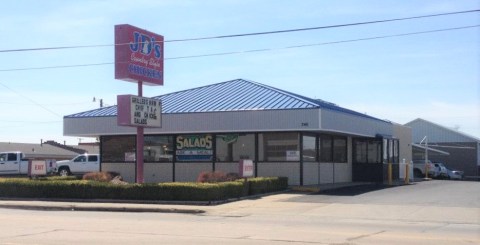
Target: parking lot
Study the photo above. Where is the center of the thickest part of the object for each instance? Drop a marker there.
(429, 212)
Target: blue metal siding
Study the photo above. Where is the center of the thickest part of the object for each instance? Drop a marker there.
(234, 95)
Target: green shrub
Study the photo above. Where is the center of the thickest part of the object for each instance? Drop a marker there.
(85, 189)
(262, 185)
(64, 178)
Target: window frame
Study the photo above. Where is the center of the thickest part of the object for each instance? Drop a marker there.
(315, 147)
(102, 148)
(265, 147)
(331, 149)
(251, 155)
(170, 139)
(369, 142)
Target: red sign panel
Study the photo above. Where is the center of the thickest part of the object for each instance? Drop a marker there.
(246, 168)
(138, 55)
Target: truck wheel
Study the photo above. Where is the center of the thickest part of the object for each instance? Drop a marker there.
(64, 172)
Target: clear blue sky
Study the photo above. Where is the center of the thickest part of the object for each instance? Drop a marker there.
(432, 76)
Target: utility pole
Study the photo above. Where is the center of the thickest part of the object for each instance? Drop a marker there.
(426, 155)
(100, 101)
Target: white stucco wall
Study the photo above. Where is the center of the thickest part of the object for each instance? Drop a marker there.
(310, 173)
(158, 172)
(284, 169)
(188, 172)
(126, 170)
(227, 167)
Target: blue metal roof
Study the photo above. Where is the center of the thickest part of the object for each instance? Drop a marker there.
(234, 95)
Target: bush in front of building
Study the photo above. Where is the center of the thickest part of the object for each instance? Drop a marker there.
(192, 191)
(261, 185)
(85, 189)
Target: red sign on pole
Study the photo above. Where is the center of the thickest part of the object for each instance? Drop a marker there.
(138, 55)
(246, 168)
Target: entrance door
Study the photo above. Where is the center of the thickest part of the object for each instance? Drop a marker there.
(367, 163)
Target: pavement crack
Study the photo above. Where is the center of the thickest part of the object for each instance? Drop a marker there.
(364, 236)
(37, 233)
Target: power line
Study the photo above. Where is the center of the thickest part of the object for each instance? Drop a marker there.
(56, 67)
(254, 50)
(326, 27)
(36, 122)
(252, 34)
(31, 100)
(64, 104)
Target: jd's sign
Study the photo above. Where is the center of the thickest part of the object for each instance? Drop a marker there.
(138, 55)
(138, 111)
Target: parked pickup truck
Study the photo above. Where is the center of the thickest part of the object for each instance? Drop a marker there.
(419, 169)
(80, 164)
(13, 163)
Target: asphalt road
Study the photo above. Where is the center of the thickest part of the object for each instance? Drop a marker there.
(433, 212)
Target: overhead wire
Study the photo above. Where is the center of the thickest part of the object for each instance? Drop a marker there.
(36, 122)
(250, 34)
(255, 50)
(326, 27)
(63, 104)
(31, 100)
(237, 52)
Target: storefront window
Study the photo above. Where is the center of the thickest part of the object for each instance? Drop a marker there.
(309, 149)
(361, 147)
(396, 157)
(326, 148)
(118, 148)
(234, 147)
(368, 151)
(279, 147)
(339, 149)
(390, 151)
(385, 150)
(374, 152)
(158, 149)
(332, 148)
(194, 148)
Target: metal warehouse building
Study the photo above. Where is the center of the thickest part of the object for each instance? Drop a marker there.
(211, 128)
(462, 151)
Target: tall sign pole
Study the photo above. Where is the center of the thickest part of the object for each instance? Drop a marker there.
(139, 59)
(140, 142)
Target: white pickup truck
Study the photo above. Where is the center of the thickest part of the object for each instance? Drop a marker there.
(80, 164)
(13, 163)
(419, 167)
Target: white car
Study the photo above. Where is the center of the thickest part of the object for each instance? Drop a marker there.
(455, 174)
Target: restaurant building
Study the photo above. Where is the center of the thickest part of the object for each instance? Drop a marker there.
(212, 128)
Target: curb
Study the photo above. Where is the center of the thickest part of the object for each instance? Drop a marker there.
(112, 205)
(63, 207)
